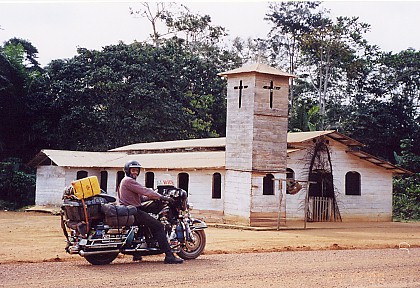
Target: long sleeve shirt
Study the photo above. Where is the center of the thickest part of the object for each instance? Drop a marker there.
(132, 193)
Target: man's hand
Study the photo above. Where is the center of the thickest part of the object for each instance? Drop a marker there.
(167, 199)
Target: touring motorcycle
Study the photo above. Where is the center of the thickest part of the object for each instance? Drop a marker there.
(98, 229)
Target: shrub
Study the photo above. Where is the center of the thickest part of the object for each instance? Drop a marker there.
(17, 185)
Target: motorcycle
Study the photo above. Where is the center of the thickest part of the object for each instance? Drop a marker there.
(99, 230)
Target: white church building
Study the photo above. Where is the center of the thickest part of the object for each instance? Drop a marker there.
(244, 178)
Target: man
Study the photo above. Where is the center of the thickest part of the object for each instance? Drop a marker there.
(133, 193)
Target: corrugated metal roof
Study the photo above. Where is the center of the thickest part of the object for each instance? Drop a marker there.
(379, 162)
(185, 144)
(186, 160)
(258, 68)
(292, 138)
(300, 137)
(67, 158)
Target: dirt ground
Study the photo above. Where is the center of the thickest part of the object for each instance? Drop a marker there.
(37, 237)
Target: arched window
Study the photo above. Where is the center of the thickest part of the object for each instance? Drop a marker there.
(104, 180)
(183, 180)
(290, 175)
(353, 183)
(120, 176)
(268, 184)
(217, 186)
(81, 174)
(149, 180)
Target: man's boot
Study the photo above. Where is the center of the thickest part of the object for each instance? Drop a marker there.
(171, 259)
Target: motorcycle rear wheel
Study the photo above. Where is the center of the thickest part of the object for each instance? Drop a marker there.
(194, 249)
(101, 259)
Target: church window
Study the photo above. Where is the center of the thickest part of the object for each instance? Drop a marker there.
(217, 186)
(81, 174)
(353, 183)
(120, 176)
(268, 184)
(183, 180)
(104, 180)
(149, 180)
(290, 175)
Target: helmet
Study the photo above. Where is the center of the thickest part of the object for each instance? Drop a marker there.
(131, 164)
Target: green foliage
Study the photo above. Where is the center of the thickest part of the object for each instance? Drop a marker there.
(131, 93)
(406, 201)
(406, 198)
(17, 185)
(18, 70)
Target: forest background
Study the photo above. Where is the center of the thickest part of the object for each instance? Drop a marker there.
(166, 88)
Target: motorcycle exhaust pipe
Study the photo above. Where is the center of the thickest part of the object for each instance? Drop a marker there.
(83, 253)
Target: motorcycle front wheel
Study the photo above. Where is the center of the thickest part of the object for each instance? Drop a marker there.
(101, 259)
(193, 249)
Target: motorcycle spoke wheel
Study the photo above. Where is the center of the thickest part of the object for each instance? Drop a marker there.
(101, 259)
(193, 249)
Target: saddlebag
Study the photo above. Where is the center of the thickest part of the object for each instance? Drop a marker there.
(74, 210)
(119, 216)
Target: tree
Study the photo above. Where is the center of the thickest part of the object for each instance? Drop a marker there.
(330, 50)
(154, 15)
(18, 70)
(384, 111)
(292, 20)
(132, 93)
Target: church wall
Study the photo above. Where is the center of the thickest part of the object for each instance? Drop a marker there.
(265, 203)
(375, 201)
(50, 183)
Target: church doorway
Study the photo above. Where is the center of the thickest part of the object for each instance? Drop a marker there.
(321, 203)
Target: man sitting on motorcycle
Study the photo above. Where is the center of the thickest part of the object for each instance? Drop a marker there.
(131, 192)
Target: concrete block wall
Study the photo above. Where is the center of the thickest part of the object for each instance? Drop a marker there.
(266, 203)
(50, 184)
(237, 199)
(375, 201)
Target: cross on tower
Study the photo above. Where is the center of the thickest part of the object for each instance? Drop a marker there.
(240, 87)
(271, 87)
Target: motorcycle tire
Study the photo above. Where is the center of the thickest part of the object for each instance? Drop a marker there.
(193, 249)
(101, 259)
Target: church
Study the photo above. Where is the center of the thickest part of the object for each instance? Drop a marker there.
(259, 175)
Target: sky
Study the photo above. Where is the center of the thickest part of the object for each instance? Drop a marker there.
(57, 28)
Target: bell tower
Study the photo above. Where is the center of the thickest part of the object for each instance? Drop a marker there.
(256, 142)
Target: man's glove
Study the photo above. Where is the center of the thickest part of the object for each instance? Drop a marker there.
(167, 199)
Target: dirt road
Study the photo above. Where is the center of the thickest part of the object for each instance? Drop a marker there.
(342, 268)
(328, 254)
